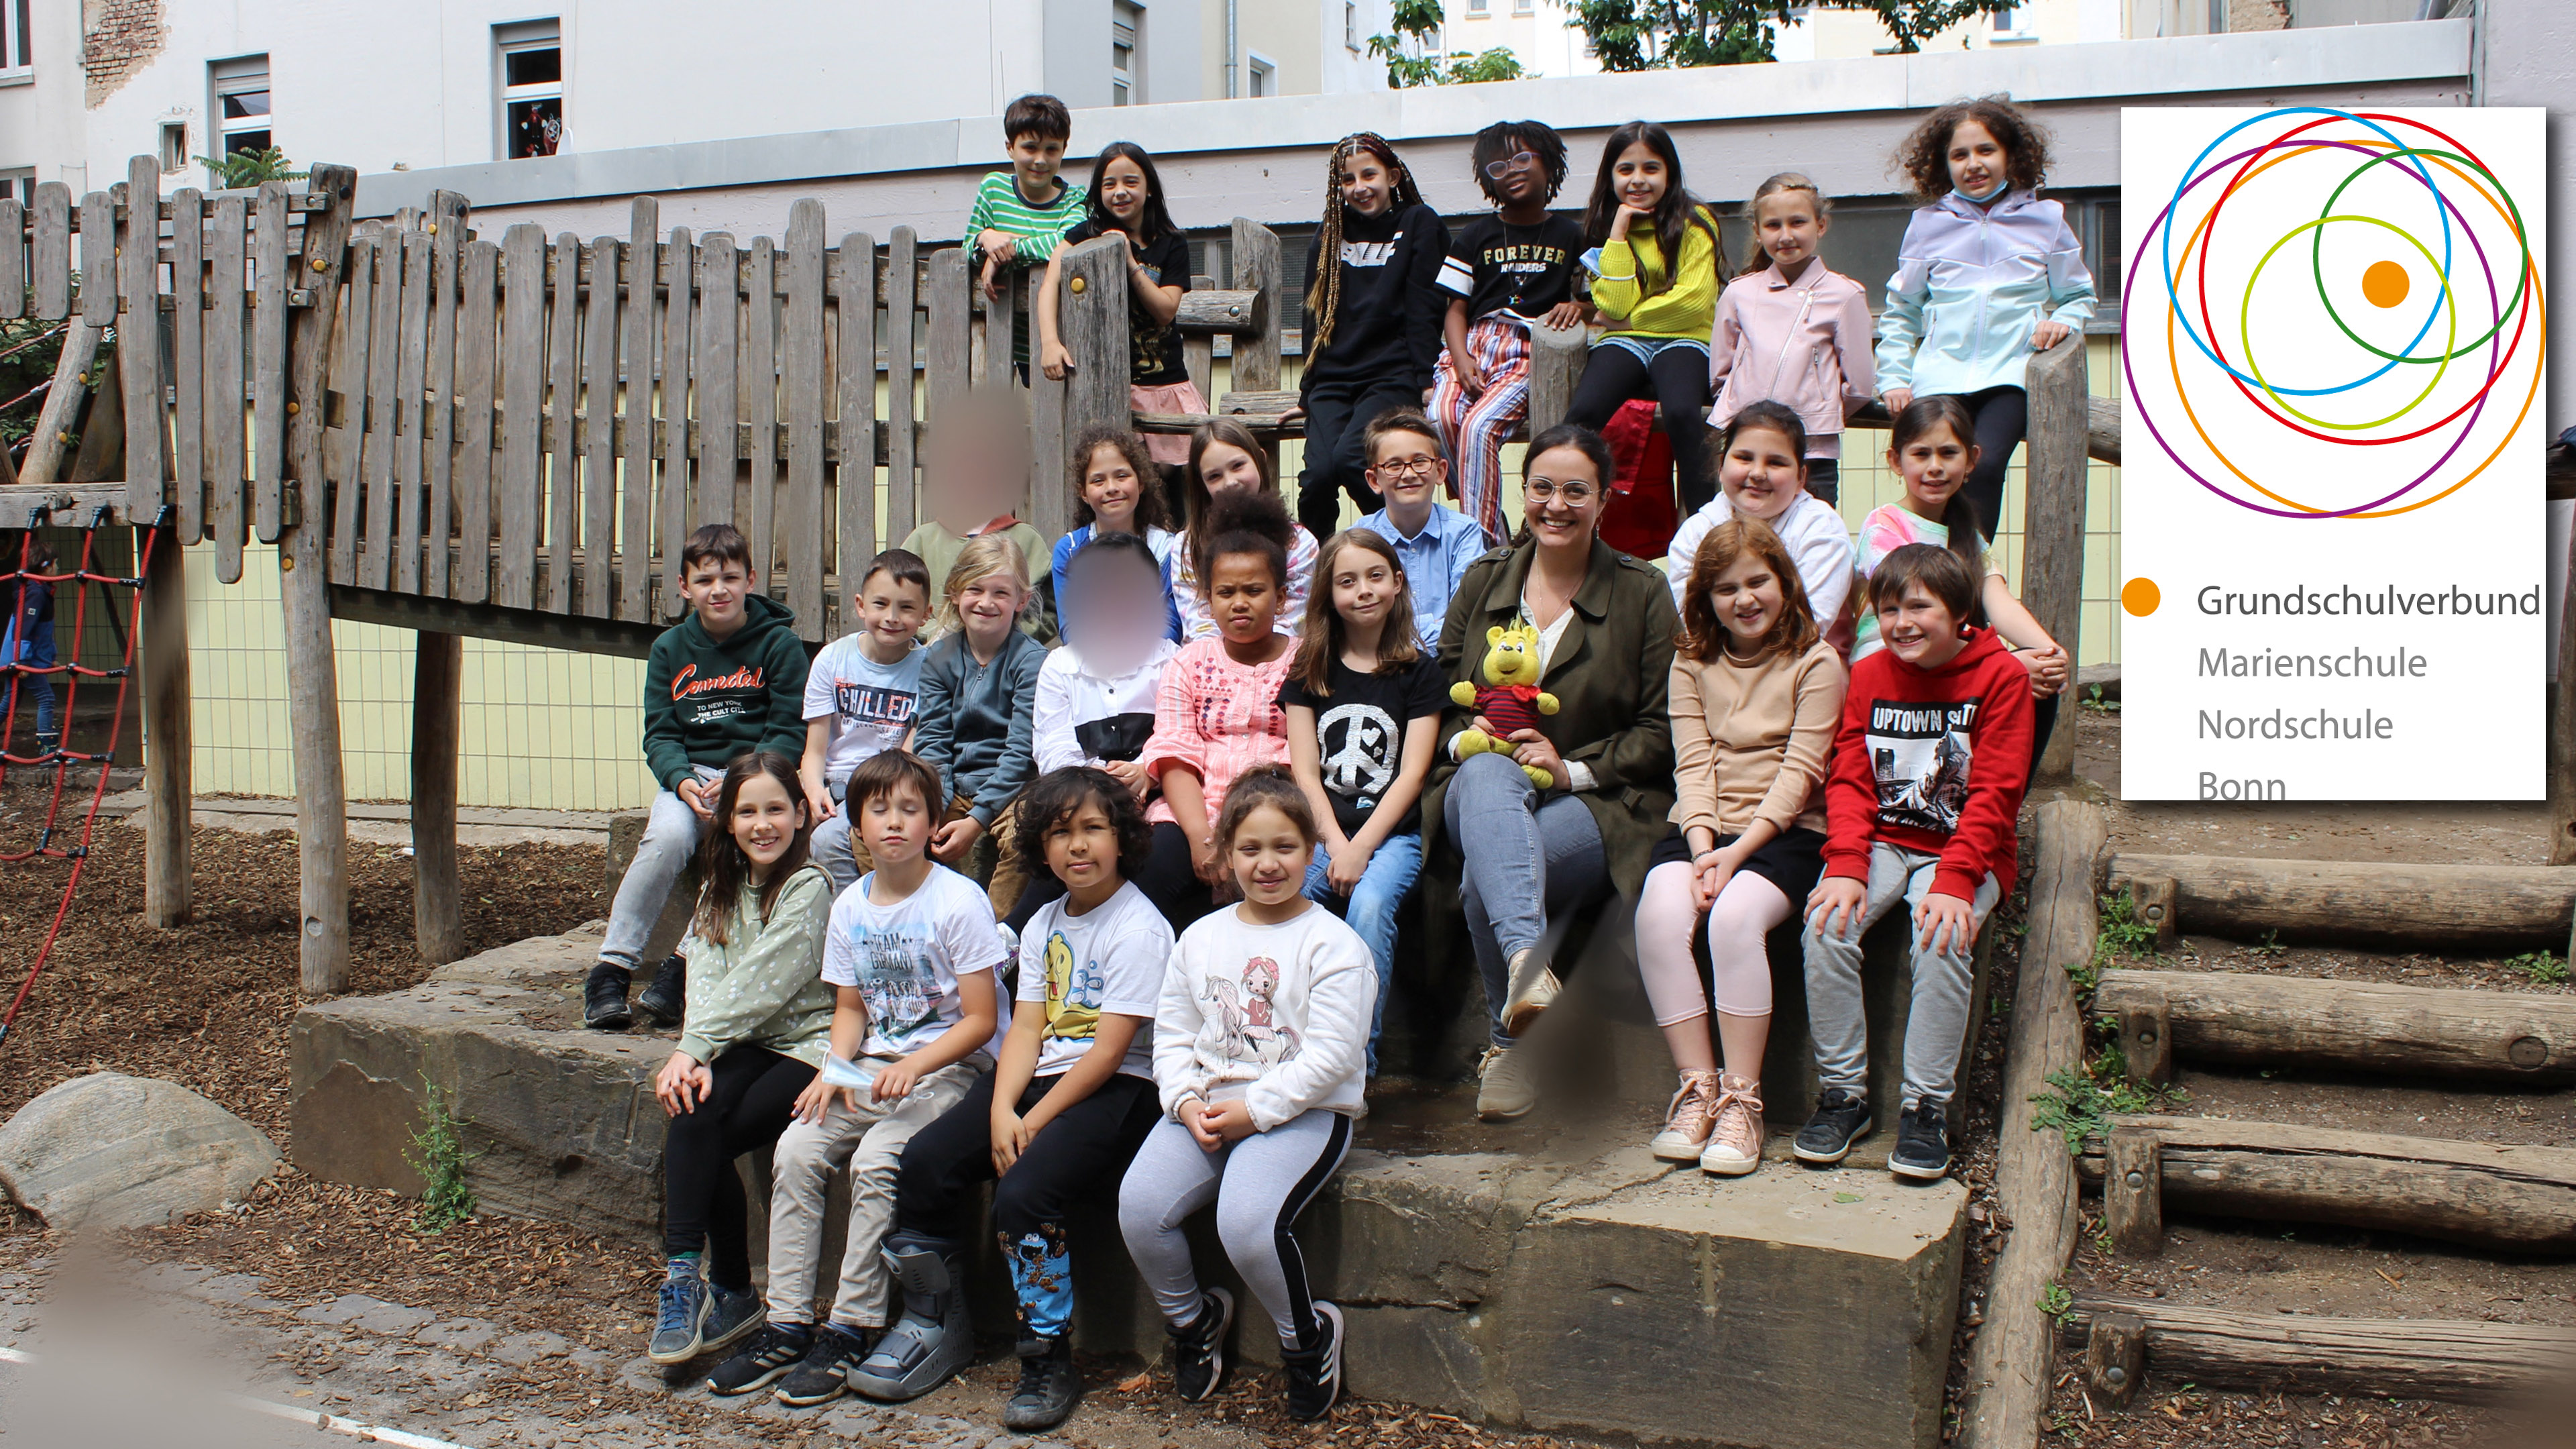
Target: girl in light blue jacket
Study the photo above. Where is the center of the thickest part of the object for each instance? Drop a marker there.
(1988, 274)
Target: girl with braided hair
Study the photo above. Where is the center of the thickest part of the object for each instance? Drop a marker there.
(1372, 324)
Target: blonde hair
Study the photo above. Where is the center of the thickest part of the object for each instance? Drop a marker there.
(984, 555)
(1784, 181)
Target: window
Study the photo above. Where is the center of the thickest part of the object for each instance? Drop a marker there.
(241, 110)
(1351, 26)
(18, 186)
(1125, 20)
(1523, 7)
(15, 57)
(1479, 8)
(532, 91)
(174, 147)
(1265, 76)
(2013, 23)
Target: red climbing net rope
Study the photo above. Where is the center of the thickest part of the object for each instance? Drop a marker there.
(55, 839)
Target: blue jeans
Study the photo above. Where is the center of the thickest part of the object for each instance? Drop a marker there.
(1528, 857)
(670, 840)
(1370, 909)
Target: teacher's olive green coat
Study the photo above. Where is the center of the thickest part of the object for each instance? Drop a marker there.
(1609, 674)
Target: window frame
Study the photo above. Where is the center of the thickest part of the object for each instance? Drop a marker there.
(17, 41)
(1351, 26)
(18, 184)
(240, 75)
(1127, 82)
(2011, 26)
(520, 38)
(1259, 71)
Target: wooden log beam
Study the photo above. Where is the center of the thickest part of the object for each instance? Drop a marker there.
(437, 722)
(65, 505)
(2521, 1037)
(2101, 418)
(168, 896)
(1226, 313)
(2052, 581)
(2011, 1370)
(50, 443)
(2450, 907)
(2521, 1199)
(2403, 1358)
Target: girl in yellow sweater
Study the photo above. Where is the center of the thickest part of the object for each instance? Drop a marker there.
(1659, 310)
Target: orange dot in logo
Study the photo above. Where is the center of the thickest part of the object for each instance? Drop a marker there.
(2384, 284)
(2140, 597)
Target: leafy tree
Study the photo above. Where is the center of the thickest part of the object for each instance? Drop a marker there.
(1416, 21)
(243, 170)
(1672, 34)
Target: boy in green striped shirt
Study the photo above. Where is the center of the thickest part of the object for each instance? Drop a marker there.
(1021, 214)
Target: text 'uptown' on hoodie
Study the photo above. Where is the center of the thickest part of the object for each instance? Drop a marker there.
(1935, 761)
(707, 700)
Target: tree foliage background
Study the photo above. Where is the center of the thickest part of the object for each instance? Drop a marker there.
(1629, 35)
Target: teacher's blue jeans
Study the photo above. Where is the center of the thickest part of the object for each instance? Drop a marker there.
(1370, 909)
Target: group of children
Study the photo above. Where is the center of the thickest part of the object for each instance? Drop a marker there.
(1181, 839)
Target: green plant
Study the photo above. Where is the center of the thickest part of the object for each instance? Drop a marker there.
(438, 1154)
(2270, 947)
(2081, 1098)
(1416, 22)
(2118, 934)
(242, 170)
(1677, 34)
(2055, 1301)
(2543, 968)
(2094, 701)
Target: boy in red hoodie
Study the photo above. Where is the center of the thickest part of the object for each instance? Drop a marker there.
(1927, 778)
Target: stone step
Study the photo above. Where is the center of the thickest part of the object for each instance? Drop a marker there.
(1547, 1274)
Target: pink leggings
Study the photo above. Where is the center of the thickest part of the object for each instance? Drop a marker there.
(1749, 909)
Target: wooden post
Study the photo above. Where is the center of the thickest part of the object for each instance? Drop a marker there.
(2155, 900)
(2010, 1373)
(1092, 313)
(2133, 1191)
(2562, 734)
(1555, 365)
(2146, 1039)
(167, 741)
(437, 721)
(1255, 249)
(312, 679)
(52, 439)
(2115, 1357)
(2052, 583)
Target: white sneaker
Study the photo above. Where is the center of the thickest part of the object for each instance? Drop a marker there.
(1531, 988)
(1735, 1133)
(1505, 1086)
(1688, 1119)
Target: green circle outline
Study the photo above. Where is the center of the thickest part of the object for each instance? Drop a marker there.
(2245, 322)
(2522, 240)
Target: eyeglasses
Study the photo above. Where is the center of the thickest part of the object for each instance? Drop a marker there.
(1574, 493)
(1499, 169)
(1408, 468)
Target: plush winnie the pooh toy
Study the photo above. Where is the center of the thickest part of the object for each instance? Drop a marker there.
(1509, 699)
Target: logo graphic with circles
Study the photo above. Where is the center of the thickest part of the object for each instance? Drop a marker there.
(2353, 323)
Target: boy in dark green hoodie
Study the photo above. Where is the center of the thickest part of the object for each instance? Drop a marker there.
(728, 678)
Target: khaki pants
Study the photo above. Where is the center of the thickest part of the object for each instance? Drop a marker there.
(870, 1140)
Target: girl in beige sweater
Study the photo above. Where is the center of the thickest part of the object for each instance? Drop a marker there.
(1756, 694)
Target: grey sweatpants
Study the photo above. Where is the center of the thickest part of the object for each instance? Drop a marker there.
(671, 837)
(1937, 1024)
(870, 1139)
(1259, 1185)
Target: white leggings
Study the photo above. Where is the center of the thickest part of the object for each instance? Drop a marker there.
(1259, 1185)
(1746, 911)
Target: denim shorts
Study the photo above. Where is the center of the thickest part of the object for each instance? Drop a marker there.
(1644, 349)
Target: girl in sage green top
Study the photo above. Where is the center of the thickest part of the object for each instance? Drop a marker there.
(758, 1022)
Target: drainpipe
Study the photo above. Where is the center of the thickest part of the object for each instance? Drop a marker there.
(1233, 48)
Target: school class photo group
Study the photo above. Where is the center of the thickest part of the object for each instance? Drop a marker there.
(1077, 866)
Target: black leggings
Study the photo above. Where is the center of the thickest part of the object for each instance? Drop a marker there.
(751, 1102)
(1170, 878)
(2003, 415)
(1678, 382)
(1337, 418)
(1077, 1155)
(1824, 479)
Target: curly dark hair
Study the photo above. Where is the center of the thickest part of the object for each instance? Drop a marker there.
(1150, 507)
(1057, 794)
(1924, 156)
(1501, 140)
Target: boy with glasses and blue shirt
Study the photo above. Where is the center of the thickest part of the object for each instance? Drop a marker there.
(1434, 544)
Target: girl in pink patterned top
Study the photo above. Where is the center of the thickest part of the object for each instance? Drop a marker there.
(1217, 713)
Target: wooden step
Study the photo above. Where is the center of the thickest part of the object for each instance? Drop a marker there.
(2445, 907)
(2467, 1361)
(2520, 1199)
(2517, 1037)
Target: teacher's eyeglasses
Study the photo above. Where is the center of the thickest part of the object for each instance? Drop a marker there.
(1509, 164)
(1574, 493)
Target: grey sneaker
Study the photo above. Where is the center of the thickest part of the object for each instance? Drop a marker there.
(731, 1313)
(680, 1317)
(1842, 1118)
(1922, 1142)
(1532, 988)
(1505, 1086)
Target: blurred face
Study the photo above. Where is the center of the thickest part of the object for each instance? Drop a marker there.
(1933, 466)
(1110, 486)
(1919, 628)
(1762, 473)
(1976, 159)
(1270, 855)
(1036, 158)
(891, 612)
(1748, 600)
(1561, 498)
(989, 606)
(1122, 188)
(1242, 597)
(1368, 184)
(765, 820)
(1365, 586)
(896, 825)
(1082, 848)
(1122, 611)
(717, 589)
(1407, 470)
(1224, 467)
(977, 477)
(1789, 226)
(1638, 177)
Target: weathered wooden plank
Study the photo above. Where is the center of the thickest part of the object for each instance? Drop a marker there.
(563, 396)
(635, 484)
(101, 455)
(903, 478)
(2562, 737)
(437, 723)
(188, 361)
(411, 373)
(1557, 355)
(147, 420)
(2052, 581)
(719, 406)
(224, 344)
(344, 495)
(599, 459)
(855, 359)
(949, 292)
(1230, 312)
(757, 370)
(2132, 1178)
(2361, 1026)
(99, 263)
(477, 344)
(2115, 1357)
(672, 434)
(51, 252)
(2464, 1360)
(520, 489)
(13, 259)
(801, 529)
(1001, 319)
(447, 211)
(384, 366)
(270, 265)
(2450, 907)
(1255, 251)
(1198, 350)
(1092, 321)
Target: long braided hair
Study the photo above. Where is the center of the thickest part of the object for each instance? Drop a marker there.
(1324, 288)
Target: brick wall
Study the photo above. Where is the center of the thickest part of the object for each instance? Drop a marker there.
(118, 38)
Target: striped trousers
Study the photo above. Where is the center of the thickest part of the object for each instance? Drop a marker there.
(1473, 428)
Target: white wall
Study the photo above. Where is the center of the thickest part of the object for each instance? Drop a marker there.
(2528, 58)
(41, 120)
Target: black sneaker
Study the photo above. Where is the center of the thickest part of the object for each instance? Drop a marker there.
(603, 998)
(1049, 1386)
(824, 1374)
(1198, 1346)
(1922, 1142)
(731, 1313)
(665, 1001)
(1315, 1374)
(1842, 1118)
(772, 1352)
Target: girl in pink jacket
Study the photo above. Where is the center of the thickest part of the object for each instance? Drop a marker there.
(1791, 330)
